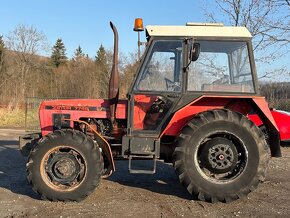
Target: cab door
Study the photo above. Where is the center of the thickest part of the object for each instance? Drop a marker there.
(155, 92)
(157, 88)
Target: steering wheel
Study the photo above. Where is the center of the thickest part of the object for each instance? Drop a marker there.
(156, 112)
(158, 105)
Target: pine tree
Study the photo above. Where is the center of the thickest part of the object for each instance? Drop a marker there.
(78, 53)
(101, 58)
(103, 70)
(58, 55)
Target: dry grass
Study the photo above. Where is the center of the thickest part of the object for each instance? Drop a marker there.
(15, 118)
(32, 120)
(12, 118)
(281, 104)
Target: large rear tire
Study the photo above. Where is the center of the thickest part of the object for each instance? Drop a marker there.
(221, 156)
(65, 166)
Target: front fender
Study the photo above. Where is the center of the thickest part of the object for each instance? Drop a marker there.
(105, 146)
(27, 142)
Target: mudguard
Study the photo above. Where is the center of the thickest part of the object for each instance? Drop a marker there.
(105, 146)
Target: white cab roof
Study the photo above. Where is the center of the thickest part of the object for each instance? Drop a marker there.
(200, 31)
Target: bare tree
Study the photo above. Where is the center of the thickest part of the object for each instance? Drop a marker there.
(128, 73)
(3, 63)
(2, 59)
(282, 2)
(268, 21)
(2, 54)
(26, 42)
(27, 73)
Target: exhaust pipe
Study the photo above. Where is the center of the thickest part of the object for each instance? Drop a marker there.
(113, 94)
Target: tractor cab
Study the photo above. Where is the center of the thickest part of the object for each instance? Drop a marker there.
(179, 66)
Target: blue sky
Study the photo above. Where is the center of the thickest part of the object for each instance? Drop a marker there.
(86, 22)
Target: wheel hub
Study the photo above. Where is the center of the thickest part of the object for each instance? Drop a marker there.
(219, 155)
(63, 168)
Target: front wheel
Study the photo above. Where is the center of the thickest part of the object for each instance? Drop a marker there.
(65, 166)
(221, 156)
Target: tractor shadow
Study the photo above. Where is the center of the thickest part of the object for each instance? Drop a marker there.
(12, 169)
(164, 181)
(13, 175)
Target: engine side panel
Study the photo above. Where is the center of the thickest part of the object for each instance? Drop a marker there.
(76, 109)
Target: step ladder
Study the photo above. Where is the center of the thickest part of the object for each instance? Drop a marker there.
(141, 148)
(150, 157)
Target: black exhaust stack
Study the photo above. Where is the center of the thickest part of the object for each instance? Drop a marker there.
(114, 79)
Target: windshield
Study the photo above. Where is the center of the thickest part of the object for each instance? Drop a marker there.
(221, 66)
(161, 70)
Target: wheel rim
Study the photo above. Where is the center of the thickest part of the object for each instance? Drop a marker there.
(221, 157)
(63, 168)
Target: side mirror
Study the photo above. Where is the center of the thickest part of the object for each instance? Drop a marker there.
(194, 51)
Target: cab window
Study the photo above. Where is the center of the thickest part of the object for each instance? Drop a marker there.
(221, 67)
(162, 70)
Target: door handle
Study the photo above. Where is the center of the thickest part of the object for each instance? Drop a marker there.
(173, 95)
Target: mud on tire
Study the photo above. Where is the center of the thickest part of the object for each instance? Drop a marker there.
(65, 166)
(221, 156)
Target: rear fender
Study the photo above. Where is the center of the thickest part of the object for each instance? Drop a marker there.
(267, 118)
(241, 104)
(206, 102)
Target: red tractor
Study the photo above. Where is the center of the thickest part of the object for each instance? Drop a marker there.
(189, 105)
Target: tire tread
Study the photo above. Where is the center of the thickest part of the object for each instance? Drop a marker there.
(188, 132)
(88, 144)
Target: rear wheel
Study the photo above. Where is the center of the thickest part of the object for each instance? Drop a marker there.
(65, 166)
(221, 156)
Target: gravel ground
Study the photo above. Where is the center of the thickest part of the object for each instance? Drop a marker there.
(131, 195)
